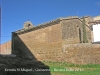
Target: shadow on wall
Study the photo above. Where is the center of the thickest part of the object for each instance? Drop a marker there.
(98, 42)
(80, 35)
(24, 63)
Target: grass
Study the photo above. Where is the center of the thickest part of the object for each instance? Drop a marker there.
(58, 68)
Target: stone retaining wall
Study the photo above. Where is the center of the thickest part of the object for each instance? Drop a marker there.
(82, 53)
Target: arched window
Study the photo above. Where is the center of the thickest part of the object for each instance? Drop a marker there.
(28, 25)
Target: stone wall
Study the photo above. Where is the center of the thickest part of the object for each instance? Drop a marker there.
(59, 52)
(72, 31)
(88, 34)
(49, 44)
(47, 34)
(82, 53)
(36, 41)
(5, 48)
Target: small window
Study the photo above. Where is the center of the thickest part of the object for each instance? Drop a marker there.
(29, 25)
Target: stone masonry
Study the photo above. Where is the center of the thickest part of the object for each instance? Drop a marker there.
(58, 40)
(5, 48)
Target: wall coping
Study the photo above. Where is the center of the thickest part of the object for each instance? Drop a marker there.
(94, 22)
(5, 42)
(46, 24)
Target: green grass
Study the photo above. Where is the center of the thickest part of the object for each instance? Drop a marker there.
(58, 68)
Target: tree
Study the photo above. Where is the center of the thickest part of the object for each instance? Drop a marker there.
(84, 31)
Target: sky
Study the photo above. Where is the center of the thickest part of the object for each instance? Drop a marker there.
(15, 12)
